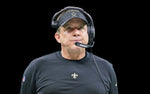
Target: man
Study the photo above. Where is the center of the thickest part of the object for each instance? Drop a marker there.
(73, 70)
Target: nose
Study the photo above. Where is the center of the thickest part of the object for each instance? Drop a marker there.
(76, 33)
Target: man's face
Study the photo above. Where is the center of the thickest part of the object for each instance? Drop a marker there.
(75, 30)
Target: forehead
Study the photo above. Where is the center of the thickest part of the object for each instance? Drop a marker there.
(75, 21)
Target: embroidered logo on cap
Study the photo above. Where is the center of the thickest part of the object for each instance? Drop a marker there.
(73, 14)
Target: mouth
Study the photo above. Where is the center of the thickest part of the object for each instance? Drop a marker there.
(77, 41)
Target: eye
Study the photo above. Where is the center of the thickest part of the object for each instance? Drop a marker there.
(69, 29)
(80, 28)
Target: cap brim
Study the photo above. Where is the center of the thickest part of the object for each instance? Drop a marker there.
(70, 15)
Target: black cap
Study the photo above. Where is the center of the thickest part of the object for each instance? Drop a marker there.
(64, 18)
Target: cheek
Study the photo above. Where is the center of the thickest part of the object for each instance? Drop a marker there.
(86, 38)
(64, 39)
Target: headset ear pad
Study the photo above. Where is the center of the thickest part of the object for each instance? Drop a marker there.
(54, 24)
(91, 33)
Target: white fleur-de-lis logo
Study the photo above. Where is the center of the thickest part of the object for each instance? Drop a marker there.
(74, 75)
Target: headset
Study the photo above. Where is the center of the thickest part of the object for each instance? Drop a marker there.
(90, 25)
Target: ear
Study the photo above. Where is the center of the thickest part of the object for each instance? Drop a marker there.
(57, 37)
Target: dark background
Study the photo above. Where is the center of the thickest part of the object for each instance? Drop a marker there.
(26, 36)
